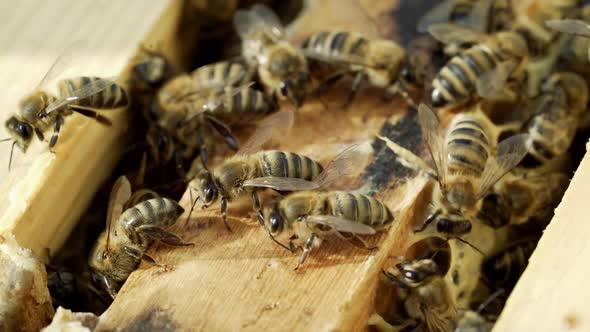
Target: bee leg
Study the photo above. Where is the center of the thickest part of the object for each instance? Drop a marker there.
(364, 243)
(109, 286)
(427, 222)
(331, 80)
(139, 255)
(223, 130)
(39, 134)
(356, 84)
(59, 120)
(158, 233)
(411, 326)
(257, 208)
(224, 212)
(91, 114)
(306, 249)
(202, 148)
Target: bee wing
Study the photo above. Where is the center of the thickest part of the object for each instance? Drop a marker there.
(409, 159)
(86, 90)
(217, 102)
(62, 62)
(438, 14)
(491, 85)
(510, 152)
(341, 225)
(570, 26)
(348, 163)
(120, 194)
(433, 138)
(281, 184)
(449, 33)
(259, 19)
(277, 124)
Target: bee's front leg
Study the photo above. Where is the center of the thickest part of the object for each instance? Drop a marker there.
(59, 120)
(306, 249)
(136, 253)
(224, 212)
(158, 233)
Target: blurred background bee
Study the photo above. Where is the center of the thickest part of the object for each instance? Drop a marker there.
(577, 51)
(281, 67)
(486, 16)
(129, 233)
(482, 69)
(39, 111)
(466, 164)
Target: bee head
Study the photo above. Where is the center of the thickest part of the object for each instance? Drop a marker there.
(21, 132)
(206, 188)
(100, 258)
(414, 273)
(294, 88)
(449, 224)
(152, 71)
(273, 219)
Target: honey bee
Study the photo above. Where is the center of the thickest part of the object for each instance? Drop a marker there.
(530, 23)
(560, 109)
(199, 114)
(503, 269)
(248, 170)
(483, 68)
(234, 72)
(40, 110)
(310, 215)
(150, 69)
(480, 15)
(129, 233)
(281, 67)
(377, 62)
(425, 294)
(465, 165)
(577, 28)
(473, 320)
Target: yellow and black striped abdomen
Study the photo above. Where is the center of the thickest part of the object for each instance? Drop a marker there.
(241, 106)
(357, 207)
(456, 81)
(287, 165)
(111, 96)
(159, 212)
(336, 44)
(551, 131)
(467, 147)
(220, 74)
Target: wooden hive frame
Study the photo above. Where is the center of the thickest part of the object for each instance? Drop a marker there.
(239, 280)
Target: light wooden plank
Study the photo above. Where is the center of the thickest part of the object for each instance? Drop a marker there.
(552, 294)
(44, 194)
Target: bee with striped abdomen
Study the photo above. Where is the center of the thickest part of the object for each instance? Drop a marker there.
(466, 165)
(281, 67)
(425, 294)
(559, 111)
(504, 269)
(481, 15)
(40, 110)
(129, 233)
(310, 215)
(483, 68)
(249, 170)
(377, 62)
(233, 72)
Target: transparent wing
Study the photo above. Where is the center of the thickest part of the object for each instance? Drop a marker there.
(408, 158)
(433, 138)
(348, 163)
(449, 33)
(478, 18)
(120, 193)
(277, 124)
(311, 53)
(258, 20)
(491, 85)
(510, 153)
(571, 26)
(62, 62)
(281, 184)
(341, 225)
(85, 91)
(438, 14)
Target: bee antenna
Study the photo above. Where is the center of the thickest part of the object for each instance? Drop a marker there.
(469, 244)
(5, 139)
(10, 158)
(194, 203)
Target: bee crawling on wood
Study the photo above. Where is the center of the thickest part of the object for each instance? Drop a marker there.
(40, 110)
(130, 231)
(281, 67)
(466, 166)
(249, 170)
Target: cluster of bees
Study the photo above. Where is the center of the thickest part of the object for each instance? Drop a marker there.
(512, 87)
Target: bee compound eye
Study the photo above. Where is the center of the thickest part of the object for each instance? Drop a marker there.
(411, 275)
(103, 255)
(284, 88)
